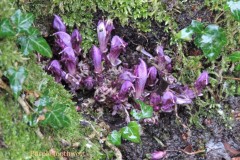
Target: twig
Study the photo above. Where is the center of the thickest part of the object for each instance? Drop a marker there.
(192, 153)
(233, 78)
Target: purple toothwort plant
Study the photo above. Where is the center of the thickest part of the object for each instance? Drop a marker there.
(58, 24)
(157, 155)
(201, 82)
(97, 59)
(104, 30)
(69, 59)
(117, 46)
(127, 76)
(56, 70)
(141, 74)
(168, 101)
(164, 61)
(76, 40)
(125, 88)
(63, 39)
(152, 76)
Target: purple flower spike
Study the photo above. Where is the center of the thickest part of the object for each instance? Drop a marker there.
(76, 40)
(201, 82)
(141, 73)
(117, 46)
(159, 50)
(55, 69)
(126, 86)
(155, 99)
(152, 75)
(89, 83)
(69, 59)
(58, 24)
(158, 155)
(97, 59)
(127, 76)
(168, 101)
(63, 39)
(104, 30)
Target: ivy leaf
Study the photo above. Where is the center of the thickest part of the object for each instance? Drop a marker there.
(235, 56)
(22, 21)
(32, 42)
(235, 9)
(197, 26)
(185, 34)
(131, 132)
(42, 102)
(146, 111)
(237, 68)
(115, 138)
(211, 41)
(55, 117)
(6, 28)
(16, 79)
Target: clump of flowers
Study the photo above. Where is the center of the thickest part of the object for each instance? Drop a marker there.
(114, 85)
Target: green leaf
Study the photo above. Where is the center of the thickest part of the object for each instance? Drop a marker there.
(31, 119)
(16, 79)
(235, 56)
(146, 111)
(41, 46)
(211, 41)
(237, 68)
(185, 34)
(26, 46)
(131, 132)
(55, 117)
(6, 28)
(235, 9)
(41, 103)
(31, 43)
(115, 138)
(197, 26)
(22, 21)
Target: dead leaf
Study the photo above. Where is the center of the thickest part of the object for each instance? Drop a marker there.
(232, 151)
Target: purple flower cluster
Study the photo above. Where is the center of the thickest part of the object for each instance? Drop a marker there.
(112, 83)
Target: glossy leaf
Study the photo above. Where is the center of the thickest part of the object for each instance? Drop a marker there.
(185, 34)
(197, 27)
(146, 111)
(55, 116)
(235, 56)
(6, 28)
(42, 102)
(23, 21)
(235, 9)
(131, 132)
(16, 79)
(115, 138)
(31, 43)
(237, 68)
(211, 41)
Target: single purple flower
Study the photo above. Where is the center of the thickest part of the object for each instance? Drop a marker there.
(158, 155)
(58, 24)
(117, 46)
(127, 76)
(104, 30)
(97, 59)
(168, 101)
(201, 82)
(55, 69)
(141, 73)
(89, 82)
(155, 99)
(159, 50)
(63, 39)
(143, 51)
(69, 59)
(76, 40)
(126, 86)
(152, 76)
